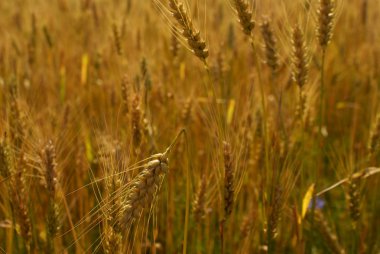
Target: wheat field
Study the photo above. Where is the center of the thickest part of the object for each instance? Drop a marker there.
(189, 126)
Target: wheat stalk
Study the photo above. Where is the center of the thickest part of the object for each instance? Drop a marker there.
(324, 229)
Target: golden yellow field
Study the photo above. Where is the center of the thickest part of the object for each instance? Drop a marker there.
(189, 126)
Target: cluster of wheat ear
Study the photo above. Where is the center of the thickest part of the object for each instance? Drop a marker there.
(277, 103)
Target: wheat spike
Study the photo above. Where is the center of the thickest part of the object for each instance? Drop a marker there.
(299, 58)
(245, 16)
(117, 39)
(193, 37)
(354, 197)
(144, 187)
(125, 93)
(5, 160)
(136, 121)
(374, 138)
(270, 46)
(51, 179)
(174, 46)
(275, 214)
(326, 14)
(112, 229)
(200, 200)
(228, 180)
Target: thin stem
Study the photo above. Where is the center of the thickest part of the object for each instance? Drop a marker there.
(188, 168)
(322, 93)
(320, 141)
(222, 236)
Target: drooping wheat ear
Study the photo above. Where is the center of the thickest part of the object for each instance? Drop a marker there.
(228, 180)
(326, 232)
(193, 37)
(51, 179)
(326, 15)
(125, 93)
(374, 138)
(354, 197)
(200, 200)
(300, 60)
(270, 46)
(136, 121)
(245, 16)
(144, 187)
(117, 39)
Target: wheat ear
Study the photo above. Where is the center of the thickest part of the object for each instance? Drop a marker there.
(51, 179)
(200, 200)
(299, 58)
(145, 185)
(193, 37)
(228, 180)
(374, 138)
(136, 121)
(326, 15)
(270, 46)
(245, 16)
